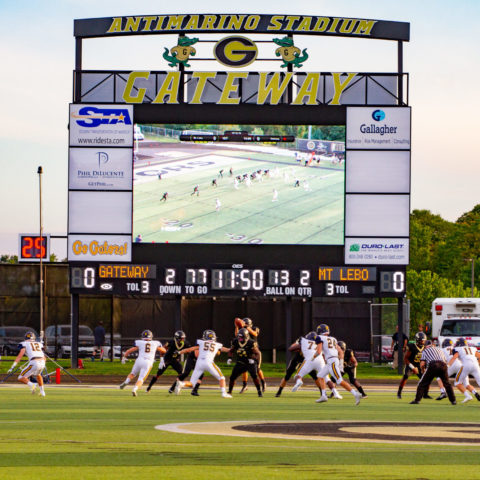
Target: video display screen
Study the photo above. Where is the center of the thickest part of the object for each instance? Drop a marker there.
(239, 184)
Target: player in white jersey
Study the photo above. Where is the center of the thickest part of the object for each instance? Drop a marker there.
(333, 355)
(308, 348)
(146, 348)
(469, 357)
(207, 348)
(33, 349)
(447, 347)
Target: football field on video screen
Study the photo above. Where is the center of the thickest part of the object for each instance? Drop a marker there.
(284, 203)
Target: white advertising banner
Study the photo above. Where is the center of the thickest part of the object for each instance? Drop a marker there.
(378, 171)
(101, 125)
(377, 251)
(100, 169)
(99, 248)
(100, 212)
(377, 215)
(378, 128)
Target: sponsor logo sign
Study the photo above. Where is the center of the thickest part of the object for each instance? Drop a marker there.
(378, 128)
(235, 51)
(100, 169)
(376, 251)
(100, 248)
(101, 125)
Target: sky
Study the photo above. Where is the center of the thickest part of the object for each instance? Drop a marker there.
(37, 52)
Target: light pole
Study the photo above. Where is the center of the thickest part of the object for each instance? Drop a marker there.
(40, 171)
(472, 278)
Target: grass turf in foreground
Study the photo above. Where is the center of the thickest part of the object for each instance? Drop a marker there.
(106, 433)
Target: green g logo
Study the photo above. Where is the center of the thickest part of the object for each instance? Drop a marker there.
(235, 51)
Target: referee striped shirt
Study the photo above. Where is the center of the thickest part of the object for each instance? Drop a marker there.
(433, 354)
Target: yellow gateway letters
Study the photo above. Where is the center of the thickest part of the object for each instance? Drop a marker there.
(272, 87)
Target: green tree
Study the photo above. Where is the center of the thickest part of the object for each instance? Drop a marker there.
(8, 259)
(423, 287)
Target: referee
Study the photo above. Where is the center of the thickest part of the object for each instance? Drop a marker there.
(433, 364)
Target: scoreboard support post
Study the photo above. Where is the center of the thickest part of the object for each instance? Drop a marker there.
(74, 314)
(401, 323)
(288, 328)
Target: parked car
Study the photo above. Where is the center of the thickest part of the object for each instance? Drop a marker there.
(59, 339)
(10, 338)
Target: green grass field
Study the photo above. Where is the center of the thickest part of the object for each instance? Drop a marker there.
(97, 433)
(309, 214)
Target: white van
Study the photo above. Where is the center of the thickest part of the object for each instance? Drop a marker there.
(137, 133)
(456, 317)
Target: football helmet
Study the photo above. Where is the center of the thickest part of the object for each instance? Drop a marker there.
(323, 329)
(420, 338)
(247, 322)
(311, 336)
(461, 342)
(448, 342)
(209, 335)
(30, 336)
(428, 343)
(243, 335)
(342, 345)
(179, 335)
(147, 335)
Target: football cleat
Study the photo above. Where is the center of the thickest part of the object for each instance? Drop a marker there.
(260, 394)
(448, 342)
(427, 396)
(42, 394)
(30, 336)
(358, 397)
(420, 338)
(441, 396)
(477, 396)
(226, 395)
(146, 335)
(194, 393)
(209, 335)
(178, 387)
(33, 389)
(414, 402)
(297, 385)
(322, 399)
(399, 396)
(467, 399)
(323, 329)
(243, 389)
(122, 386)
(134, 393)
(337, 396)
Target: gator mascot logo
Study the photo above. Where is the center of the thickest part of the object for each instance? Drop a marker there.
(180, 53)
(291, 55)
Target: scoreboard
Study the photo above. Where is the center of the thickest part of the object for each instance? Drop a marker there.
(237, 280)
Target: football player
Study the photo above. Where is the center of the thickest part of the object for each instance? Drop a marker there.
(171, 358)
(350, 367)
(207, 348)
(292, 366)
(33, 349)
(333, 354)
(254, 332)
(447, 347)
(469, 357)
(308, 347)
(146, 348)
(247, 354)
(411, 359)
